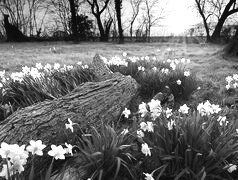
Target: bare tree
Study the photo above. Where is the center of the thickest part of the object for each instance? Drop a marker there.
(73, 11)
(135, 5)
(118, 7)
(60, 11)
(149, 15)
(215, 12)
(97, 8)
(27, 15)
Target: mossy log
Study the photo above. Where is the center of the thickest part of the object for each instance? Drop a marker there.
(90, 104)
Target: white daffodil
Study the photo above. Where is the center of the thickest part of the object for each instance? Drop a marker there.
(70, 125)
(143, 126)
(5, 169)
(147, 58)
(229, 79)
(155, 108)
(85, 66)
(230, 167)
(140, 134)
(186, 73)
(154, 68)
(47, 67)
(141, 68)
(17, 164)
(183, 60)
(57, 152)
(26, 70)
(168, 112)
(207, 108)
(126, 112)
(165, 70)
(145, 149)
(150, 126)
(178, 82)
(171, 125)
(148, 176)
(173, 65)
(235, 77)
(124, 54)
(56, 66)
(154, 105)
(142, 109)
(184, 109)
(79, 63)
(124, 132)
(36, 147)
(7, 150)
(68, 149)
(39, 66)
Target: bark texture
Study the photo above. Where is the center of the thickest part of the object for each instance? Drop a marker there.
(88, 105)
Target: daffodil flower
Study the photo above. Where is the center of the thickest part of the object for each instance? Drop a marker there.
(58, 152)
(36, 147)
(145, 149)
(70, 125)
(126, 112)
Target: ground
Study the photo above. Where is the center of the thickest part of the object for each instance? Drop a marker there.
(206, 60)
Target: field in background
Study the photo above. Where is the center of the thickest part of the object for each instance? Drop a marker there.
(206, 60)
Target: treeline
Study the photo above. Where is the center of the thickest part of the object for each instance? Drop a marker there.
(86, 19)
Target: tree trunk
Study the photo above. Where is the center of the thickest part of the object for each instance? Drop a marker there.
(108, 27)
(118, 4)
(91, 104)
(217, 32)
(73, 21)
(103, 37)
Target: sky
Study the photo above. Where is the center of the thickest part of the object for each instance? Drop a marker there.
(181, 16)
(178, 16)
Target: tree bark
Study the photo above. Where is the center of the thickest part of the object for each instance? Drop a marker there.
(91, 104)
(74, 21)
(118, 4)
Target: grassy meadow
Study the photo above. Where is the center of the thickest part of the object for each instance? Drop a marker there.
(178, 125)
(206, 61)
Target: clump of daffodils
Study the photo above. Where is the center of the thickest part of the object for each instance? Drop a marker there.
(117, 61)
(15, 157)
(206, 109)
(232, 81)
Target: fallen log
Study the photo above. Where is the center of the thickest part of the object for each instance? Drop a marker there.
(90, 104)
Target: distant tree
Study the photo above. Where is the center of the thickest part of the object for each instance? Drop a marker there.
(150, 19)
(60, 12)
(97, 12)
(215, 12)
(135, 5)
(73, 11)
(84, 27)
(118, 7)
(26, 15)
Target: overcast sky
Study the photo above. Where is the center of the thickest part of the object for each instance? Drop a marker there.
(181, 15)
(178, 16)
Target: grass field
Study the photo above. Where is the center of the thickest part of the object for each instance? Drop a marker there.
(193, 140)
(207, 61)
